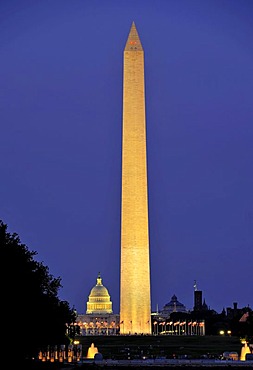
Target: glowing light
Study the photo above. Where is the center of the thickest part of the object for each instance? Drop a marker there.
(92, 350)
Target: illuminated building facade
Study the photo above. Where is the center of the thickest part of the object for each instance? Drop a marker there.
(99, 299)
(135, 305)
(99, 318)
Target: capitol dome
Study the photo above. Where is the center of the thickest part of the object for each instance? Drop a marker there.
(99, 299)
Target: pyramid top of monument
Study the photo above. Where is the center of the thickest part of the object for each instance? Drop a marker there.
(133, 42)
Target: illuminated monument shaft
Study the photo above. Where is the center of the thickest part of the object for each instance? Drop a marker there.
(135, 306)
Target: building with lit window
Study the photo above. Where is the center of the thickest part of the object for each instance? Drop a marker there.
(99, 318)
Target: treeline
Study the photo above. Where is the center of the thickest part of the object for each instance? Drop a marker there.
(33, 316)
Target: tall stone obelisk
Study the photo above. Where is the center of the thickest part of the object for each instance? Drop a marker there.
(135, 305)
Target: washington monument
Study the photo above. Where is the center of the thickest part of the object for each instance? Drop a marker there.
(135, 305)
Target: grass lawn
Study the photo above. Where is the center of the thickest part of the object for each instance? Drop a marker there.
(123, 347)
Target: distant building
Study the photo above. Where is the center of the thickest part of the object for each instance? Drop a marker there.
(233, 312)
(204, 306)
(99, 318)
(99, 301)
(241, 313)
(197, 300)
(199, 304)
(175, 319)
(173, 306)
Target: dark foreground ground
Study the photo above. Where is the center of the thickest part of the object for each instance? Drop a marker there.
(137, 347)
(93, 366)
(153, 352)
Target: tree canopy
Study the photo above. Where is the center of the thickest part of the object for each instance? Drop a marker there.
(33, 315)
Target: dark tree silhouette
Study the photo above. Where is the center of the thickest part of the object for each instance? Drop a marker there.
(33, 315)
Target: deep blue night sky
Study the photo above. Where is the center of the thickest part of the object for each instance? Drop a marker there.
(61, 66)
